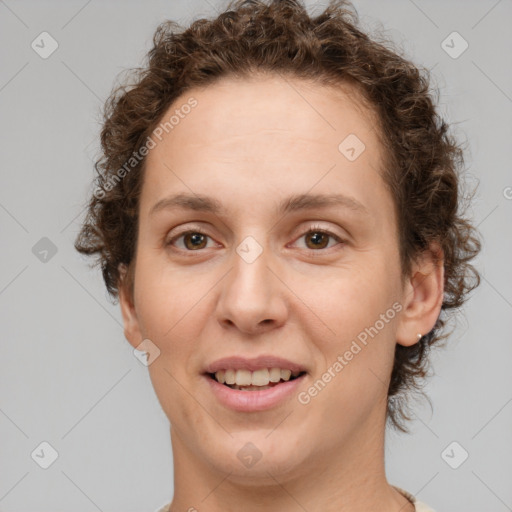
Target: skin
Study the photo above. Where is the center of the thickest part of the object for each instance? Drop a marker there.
(250, 144)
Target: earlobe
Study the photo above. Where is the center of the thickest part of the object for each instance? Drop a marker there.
(132, 330)
(422, 297)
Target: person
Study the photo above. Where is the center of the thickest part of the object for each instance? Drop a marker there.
(278, 210)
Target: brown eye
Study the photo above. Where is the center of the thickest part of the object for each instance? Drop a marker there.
(197, 240)
(319, 240)
(192, 240)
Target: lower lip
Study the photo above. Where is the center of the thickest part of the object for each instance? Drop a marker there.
(251, 401)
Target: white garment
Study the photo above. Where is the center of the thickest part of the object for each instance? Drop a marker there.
(419, 506)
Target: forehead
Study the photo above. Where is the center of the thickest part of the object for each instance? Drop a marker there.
(264, 134)
(266, 107)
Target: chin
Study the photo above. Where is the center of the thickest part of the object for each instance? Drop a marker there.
(257, 458)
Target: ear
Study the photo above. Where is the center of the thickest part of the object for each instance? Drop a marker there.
(422, 296)
(132, 330)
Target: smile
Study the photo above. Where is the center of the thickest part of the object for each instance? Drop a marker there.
(259, 380)
(250, 398)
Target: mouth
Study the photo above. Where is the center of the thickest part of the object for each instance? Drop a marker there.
(254, 384)
(259, 380)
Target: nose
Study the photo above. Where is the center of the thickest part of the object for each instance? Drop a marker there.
(253, 296)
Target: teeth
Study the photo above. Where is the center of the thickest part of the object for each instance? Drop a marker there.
(275, 375)
(250, 388)
(243, 378)
(229, 376)
(260, 378)
(286, 374)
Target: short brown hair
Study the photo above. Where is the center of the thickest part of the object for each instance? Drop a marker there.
(422, 160)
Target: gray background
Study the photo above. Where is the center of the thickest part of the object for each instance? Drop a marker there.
(67, 375)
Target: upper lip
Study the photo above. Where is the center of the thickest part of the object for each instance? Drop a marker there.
(253, 364)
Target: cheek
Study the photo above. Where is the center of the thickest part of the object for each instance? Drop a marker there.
(167, 297)
(169, 309)
(355, 306)
(348, 299)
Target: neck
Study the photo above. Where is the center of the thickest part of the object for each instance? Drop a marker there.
(347, 478)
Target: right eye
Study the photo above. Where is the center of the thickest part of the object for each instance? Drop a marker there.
(193, 240)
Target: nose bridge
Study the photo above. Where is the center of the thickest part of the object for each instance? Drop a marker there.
(250, 276)
(251, 296)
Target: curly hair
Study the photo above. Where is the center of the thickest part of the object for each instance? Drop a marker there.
(422, 161)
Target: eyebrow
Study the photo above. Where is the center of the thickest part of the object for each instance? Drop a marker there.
(293, 203)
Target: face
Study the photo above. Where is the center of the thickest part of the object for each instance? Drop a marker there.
(253, 280)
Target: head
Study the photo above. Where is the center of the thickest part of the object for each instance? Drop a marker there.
(248, 115)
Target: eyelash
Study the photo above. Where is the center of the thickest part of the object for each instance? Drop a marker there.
(311, 229)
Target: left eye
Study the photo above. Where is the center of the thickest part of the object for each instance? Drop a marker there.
(319, 238)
